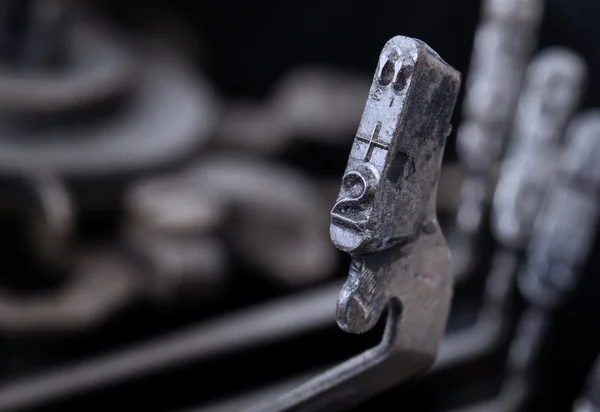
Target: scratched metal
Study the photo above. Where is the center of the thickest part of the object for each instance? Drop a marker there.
(385, 217)
(551, 93)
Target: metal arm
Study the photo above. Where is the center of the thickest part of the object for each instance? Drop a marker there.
(385, 218)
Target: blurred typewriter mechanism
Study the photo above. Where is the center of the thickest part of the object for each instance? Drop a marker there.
(167, 173)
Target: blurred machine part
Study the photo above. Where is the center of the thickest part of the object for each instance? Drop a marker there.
(590, 399)
(169, 101)
(308, 103)
(80, 103)
(527, 171)
(550, 96)
(272, 215)
(216, 228)
(552, 267)
(569, 212)
(504, 40)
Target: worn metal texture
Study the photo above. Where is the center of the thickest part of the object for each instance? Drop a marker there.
(570, 212)
(385, 217)
(550, 96)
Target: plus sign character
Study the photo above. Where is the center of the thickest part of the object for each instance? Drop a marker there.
(394, 159)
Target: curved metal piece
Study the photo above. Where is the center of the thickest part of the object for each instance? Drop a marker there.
(97, 68)
(102, 283)
(53, 218)
(457, 348)
(266, 323)
(552, 91)
(276, 216)
(168, 115)
(260, 325)
(179, 266)
(307, 103)
(385, 217)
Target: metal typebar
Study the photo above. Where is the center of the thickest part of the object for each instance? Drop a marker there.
(385, 217)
